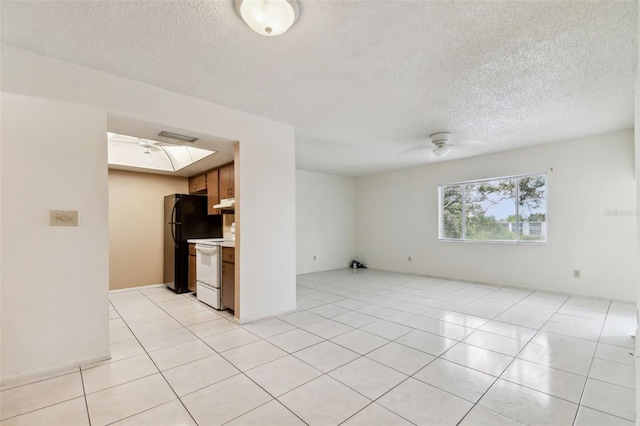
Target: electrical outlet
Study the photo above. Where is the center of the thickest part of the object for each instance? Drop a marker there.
(576, 273)
(63, 217)
(409, 258)
(314, 257)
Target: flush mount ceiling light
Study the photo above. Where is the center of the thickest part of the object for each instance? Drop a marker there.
(268, 17)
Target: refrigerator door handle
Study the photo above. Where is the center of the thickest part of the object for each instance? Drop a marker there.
(173, 223)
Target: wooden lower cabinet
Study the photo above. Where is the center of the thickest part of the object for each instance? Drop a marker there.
(191, 277)
(228, 282)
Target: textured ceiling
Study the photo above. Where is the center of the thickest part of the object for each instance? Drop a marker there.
(365, 82)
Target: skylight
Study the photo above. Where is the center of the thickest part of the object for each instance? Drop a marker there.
(142, 153)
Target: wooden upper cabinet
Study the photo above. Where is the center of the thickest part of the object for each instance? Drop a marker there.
(217, 184)
(213, 196)
(198, 184)
(227, 182)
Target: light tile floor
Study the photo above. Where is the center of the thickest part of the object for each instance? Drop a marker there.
(364, 348)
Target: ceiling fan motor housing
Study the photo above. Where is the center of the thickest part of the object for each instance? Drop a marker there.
(441, 138)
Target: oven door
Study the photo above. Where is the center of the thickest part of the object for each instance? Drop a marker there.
(208, 265)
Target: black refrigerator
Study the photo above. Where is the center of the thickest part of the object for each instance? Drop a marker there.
(185, 217)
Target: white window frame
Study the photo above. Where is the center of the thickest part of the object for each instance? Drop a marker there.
(464, 239)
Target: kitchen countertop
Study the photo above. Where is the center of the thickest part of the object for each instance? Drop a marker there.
(224, 242)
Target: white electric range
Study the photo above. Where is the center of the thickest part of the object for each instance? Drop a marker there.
(208, 265)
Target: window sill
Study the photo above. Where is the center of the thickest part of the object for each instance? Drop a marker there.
(508, 243)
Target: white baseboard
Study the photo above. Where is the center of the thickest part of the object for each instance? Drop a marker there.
(266, 315)
(142, 287)
(51, 371)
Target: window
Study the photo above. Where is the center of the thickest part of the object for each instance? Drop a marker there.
(512, 209)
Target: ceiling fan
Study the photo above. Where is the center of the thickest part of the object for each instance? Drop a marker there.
(148, 145)
(442, 144)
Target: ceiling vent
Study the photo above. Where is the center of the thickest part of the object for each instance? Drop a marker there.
(177, 136)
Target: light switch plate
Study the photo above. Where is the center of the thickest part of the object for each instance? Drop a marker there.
(63, 217)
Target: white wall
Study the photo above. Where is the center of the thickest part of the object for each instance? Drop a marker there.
(267, 176)
(325, 228)
(637, 164)
(54, 279)
(267, 218)
(590, 175)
